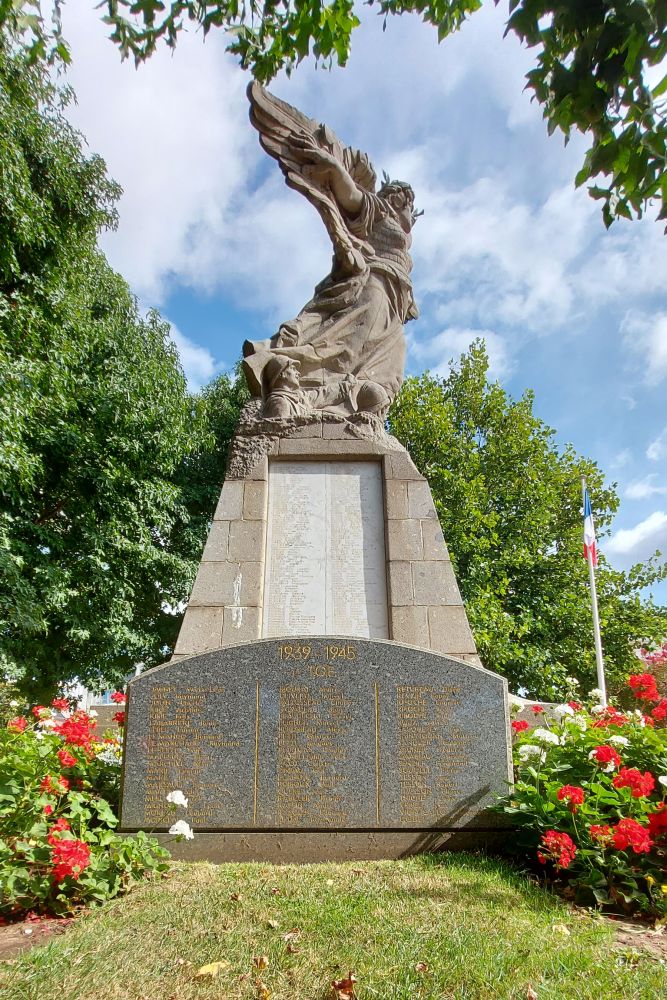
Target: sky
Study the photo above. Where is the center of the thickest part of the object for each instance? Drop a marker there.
(507, 250)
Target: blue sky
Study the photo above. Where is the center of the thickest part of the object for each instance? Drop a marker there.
(507, 249)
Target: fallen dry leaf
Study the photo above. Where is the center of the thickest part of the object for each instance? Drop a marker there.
(292, 948)
(530, 993)
(560, 929)
(260, 961)
(421, 967)
(211, 970)
(274, 890)
(235, 896)
(292, 935)
(263, 991)
(344, 988)
(273, 924)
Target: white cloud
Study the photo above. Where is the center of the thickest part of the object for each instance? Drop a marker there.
(449, 344)
(632, 545)
(644, 488)
(658, 447)
(621, 459)
(199, 365)
(646, 337)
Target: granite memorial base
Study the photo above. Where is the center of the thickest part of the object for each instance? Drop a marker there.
(318, 748)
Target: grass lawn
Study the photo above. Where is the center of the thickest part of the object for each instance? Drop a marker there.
(451, 926)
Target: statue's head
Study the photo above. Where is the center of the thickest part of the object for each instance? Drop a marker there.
(281, 373)
(401, 197)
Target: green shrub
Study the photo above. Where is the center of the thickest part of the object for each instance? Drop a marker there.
(589, 799)
(59, 785)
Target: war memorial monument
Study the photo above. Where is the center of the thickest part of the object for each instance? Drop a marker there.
(325, 700)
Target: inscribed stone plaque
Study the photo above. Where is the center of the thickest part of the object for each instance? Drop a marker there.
(325, 555)
(316, 734)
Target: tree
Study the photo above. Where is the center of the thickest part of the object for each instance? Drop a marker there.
(102, 519)
(590, 71)
(509, 501)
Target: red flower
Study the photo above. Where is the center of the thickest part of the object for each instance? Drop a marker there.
(657, 821)
(610, 717)
(537, 709)
(61, 824)
(62, 704)
(630, 777)
(17, 725)
(572, 794)
(119, 717)
(575, 705)
(603, 833)
(630, 833)
(41, 711)
(119, 697)
(48, 810)
(557, 847)
(67, 759)
(520, 725)
(69, 858)
(644, 686)
(77, 730)
(606, 754)
(57, 786)
(660, 711)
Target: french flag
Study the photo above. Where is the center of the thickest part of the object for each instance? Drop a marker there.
(590, 548)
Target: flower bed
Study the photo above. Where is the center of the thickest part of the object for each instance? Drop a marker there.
(59, 787)
(590, 798)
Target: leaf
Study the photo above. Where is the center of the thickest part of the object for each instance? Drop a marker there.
(421, 967)
(292, 935)
(344, 988)
(211, 970)
(560, 929)
(260, 962)
(530, 993)
(273, 924)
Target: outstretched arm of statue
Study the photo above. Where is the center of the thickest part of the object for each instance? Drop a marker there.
(324, 167)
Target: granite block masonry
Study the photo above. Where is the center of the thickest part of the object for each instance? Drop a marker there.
(324, 526)
(316, 748)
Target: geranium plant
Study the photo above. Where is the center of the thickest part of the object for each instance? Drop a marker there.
(59, 784)
(589, 799)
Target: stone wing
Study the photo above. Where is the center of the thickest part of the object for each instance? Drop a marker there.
(278, 123)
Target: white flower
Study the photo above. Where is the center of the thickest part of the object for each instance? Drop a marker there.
(182, 829)
(46, 723)
(177, 798)
(38, 735)
(545, 736)
(663, 780)
(110, 756)
(608, 768)
(618, 741)
(595, 694)
(529, 750)
(580, 721)
(597, 709)
(572, 682)
(562, 710)
(14, 704)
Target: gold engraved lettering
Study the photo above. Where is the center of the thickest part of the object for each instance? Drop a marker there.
(432, 752)
(347, 652)
(287, 651)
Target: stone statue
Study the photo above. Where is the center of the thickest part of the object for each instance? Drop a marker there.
(344, 353)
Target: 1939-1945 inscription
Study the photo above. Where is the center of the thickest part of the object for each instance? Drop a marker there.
(315, 734)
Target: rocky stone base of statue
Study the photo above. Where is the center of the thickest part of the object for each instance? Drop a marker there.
(258, 436)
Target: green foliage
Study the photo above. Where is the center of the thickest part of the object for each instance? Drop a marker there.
(105, 453)
(35, 822)
(509, 501)
(590, 72)
(606, 869)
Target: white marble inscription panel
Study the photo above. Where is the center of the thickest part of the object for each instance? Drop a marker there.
(325, 556)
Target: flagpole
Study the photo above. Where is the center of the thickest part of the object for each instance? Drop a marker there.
(594, 604)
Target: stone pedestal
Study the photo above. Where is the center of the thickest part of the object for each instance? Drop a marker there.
(384, 546)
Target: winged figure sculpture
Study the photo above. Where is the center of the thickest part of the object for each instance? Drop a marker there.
(345, 351)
